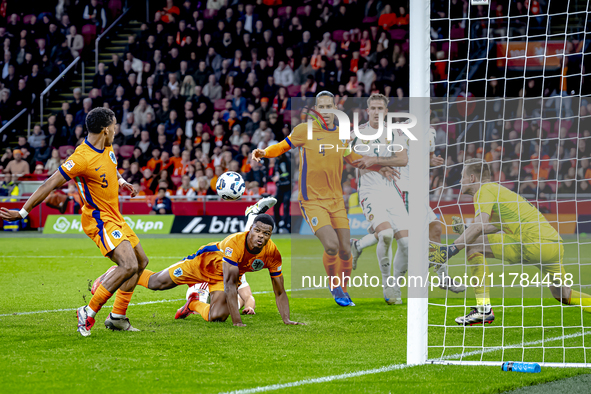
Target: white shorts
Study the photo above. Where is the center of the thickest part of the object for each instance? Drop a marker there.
(204, 287)
(381, 207)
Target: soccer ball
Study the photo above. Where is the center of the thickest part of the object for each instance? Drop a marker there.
(230, 186)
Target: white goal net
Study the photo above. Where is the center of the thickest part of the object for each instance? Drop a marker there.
(511, 85)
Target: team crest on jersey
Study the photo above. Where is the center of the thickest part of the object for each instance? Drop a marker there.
(113, 158)
(257, 265)
(69, 165)
(314, 221)
(178, 272)
(116, 234)
(371, 217)
(229, 251)
(279, 268)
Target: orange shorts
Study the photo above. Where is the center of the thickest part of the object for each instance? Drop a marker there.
(109, 234)
(186, 272)
(320, 213)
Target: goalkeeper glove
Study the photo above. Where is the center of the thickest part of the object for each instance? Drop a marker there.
(457, 225)
(442, 254)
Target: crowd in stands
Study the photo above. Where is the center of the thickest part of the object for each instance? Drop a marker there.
(206, 82)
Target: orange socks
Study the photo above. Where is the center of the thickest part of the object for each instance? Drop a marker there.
(345, 268)
(330, 265)
(144, 280)
(200, 307)
(122, 299)
(100, 298)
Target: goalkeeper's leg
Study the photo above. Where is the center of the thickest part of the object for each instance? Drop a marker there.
(483, 312)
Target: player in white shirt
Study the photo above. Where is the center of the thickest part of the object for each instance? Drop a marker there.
(380, 199)
(392, 294)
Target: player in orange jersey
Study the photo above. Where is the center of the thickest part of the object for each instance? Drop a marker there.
(321, 194)
(221, 265)
(94, 167)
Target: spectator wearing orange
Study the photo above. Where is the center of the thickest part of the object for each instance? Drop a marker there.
(155, 163)
(182, 167)
(185, 188)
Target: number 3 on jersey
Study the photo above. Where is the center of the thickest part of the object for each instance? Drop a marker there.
(105, 182)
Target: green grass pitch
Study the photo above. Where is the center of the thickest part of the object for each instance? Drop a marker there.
(42, 352)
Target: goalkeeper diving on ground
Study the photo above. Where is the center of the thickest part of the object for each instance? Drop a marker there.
(506, 227)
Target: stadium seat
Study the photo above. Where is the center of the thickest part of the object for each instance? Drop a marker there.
(337, 35)
(126, 151)
(370, 19)
(210, 14)
(89, 33)
(398, 34)
(546, 125)
(301, 11)
(64, 150)
(219, 105)
(287, 116)
(271, 188)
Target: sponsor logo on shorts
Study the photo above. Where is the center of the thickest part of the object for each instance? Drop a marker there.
(279, 268)
(178, 272)
(113, 158)
(69, 165)
(116, 234)
(314, 221)
(257, 265)
(229, 251)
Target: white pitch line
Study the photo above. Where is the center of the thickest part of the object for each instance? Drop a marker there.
(392, 367)
(323, 379)
(138, 303)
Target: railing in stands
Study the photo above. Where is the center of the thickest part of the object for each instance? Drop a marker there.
(98, 39)
(15, 118)
(52, 84)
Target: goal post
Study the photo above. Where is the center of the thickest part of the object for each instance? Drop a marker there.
(417, 319)
(508, 83)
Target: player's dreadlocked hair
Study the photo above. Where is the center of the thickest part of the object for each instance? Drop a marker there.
(265, 219)
(98, 119)
(479, 168)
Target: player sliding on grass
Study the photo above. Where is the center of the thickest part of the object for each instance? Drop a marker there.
(509, 228)
(220, 265)
(94, 167)
(321, 195)
(245, 297)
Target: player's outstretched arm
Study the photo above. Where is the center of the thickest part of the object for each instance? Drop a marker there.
(272, 151)
(231, 274)
(282, 301)
(55, 181)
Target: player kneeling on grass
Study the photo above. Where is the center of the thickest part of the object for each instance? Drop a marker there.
(506, 227)
(245, 297)
(220, 265)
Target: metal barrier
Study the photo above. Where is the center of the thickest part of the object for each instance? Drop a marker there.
(47, 89)
(15, 118)
(98, 39)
